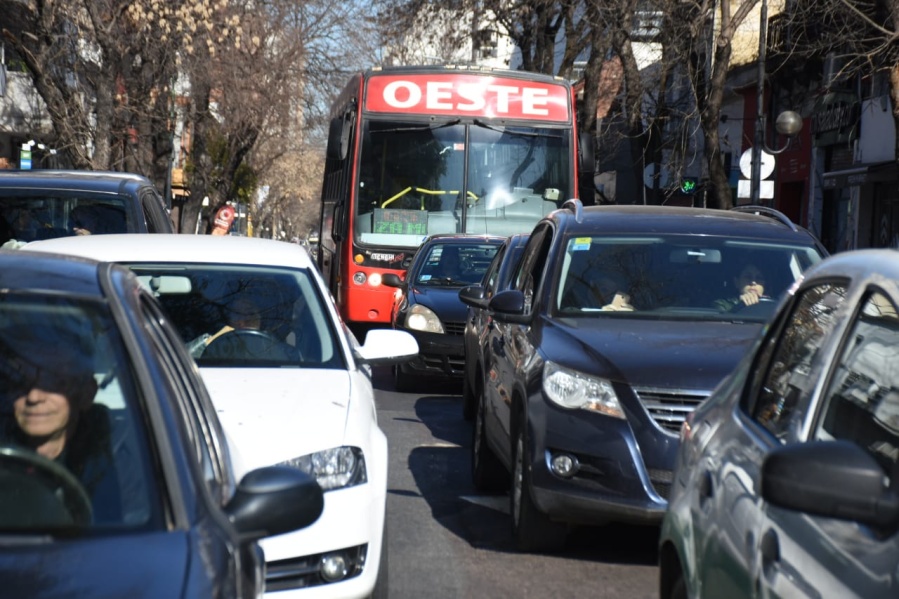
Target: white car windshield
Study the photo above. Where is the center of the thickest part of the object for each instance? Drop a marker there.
(246, 316)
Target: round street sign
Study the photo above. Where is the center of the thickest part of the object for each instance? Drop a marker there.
(767, 168)
(649, 174)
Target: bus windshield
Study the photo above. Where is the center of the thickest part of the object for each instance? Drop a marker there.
(412, 179)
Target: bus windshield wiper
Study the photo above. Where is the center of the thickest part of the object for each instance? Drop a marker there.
(483, 125)
(418, 128)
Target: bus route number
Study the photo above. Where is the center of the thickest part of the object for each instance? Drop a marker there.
(401, 222)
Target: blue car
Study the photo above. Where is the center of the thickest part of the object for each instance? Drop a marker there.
(115, 475)
(427, 304)
(618, 322)
(497, 278)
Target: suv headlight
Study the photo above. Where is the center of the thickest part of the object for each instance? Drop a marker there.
(421, 318)
(575, 390)
(334, 468)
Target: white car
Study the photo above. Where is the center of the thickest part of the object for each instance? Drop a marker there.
(291, 385)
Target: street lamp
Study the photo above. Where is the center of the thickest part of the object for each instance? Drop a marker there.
(788, 123)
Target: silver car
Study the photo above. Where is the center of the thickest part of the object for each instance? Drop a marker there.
(787, 478)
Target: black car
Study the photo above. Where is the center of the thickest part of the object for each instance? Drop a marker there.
(115, 476)
(42, 204)
(787, 477)
(618, 322)
(497, 278)
(428, 305)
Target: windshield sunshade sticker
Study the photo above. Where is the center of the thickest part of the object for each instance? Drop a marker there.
(580, 244)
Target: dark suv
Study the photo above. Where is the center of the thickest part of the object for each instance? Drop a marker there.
(618, 322)
(43, 204)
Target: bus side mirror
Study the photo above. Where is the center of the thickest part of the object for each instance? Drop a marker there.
(586, 169)
(338, 222)
(339, 133)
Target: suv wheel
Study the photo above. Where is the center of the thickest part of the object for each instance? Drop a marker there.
(532, 530)
(487, 472)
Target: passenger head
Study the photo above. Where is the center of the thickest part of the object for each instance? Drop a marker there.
(48, 379)
(449, 259)
(750, 278)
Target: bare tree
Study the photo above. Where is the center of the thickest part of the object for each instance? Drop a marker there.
(856, 39)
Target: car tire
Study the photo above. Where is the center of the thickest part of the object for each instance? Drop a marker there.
(532, 530)
(678, 587)
(469, 398)
(487, 472)
(402, 382)
(382, 590)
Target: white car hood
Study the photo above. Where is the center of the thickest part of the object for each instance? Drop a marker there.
(271, 415)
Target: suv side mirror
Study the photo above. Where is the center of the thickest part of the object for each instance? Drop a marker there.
(508, 306)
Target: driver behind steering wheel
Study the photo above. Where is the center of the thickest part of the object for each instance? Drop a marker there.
(750, 285)
(243, 315)
(48, 407)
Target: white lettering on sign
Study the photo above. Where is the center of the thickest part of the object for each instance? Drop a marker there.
(535, 100)
(390, 94)
(382, 257)
(440, 95)
(472, 97)
(467, 94)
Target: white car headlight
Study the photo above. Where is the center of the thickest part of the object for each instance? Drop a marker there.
(421, 318)
(334, 468)
(575, 390)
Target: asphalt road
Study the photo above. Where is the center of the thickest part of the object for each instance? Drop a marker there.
(445, 540)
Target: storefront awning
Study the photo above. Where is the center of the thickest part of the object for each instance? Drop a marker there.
(861, 175)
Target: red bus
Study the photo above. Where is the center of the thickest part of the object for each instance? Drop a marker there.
(414, 151)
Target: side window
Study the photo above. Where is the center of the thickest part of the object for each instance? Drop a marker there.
(492, 275)
(203, 436)
(152, 207)
(530, 270)
(862, 399)
(790, 356)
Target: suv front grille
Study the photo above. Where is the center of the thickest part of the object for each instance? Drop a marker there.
(669, 407)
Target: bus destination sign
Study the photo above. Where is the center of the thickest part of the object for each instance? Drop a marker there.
(468, 95)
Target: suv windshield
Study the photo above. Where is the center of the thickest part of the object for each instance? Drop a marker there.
(412, 179)
(677, 276)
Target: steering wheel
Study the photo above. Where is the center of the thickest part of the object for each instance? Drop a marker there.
(39, 493)
(250, 344)
(764, 307)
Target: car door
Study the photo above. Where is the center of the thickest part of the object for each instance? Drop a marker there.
(508, 345)
(233, 567)
(817, 556)
(479, 318)
(737, 552)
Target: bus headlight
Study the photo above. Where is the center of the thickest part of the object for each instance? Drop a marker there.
(359, 278)
(374, 279)
(421, 318)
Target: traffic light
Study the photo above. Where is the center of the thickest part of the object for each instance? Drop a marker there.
(689, 185)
